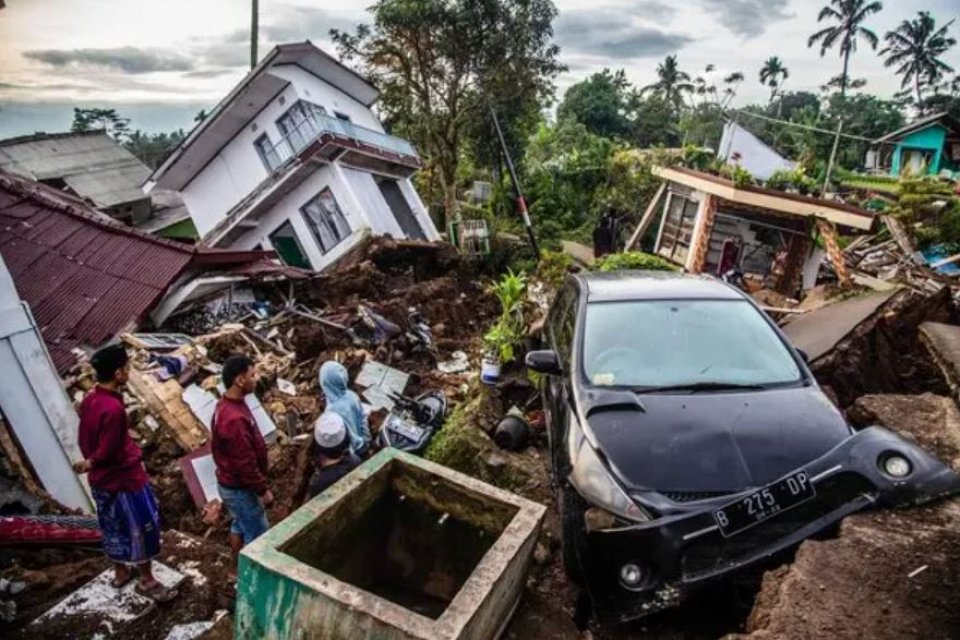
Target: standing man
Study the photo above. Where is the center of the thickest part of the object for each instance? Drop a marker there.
(240, 456)
(127, 512)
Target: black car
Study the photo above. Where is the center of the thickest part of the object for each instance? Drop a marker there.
(689, 439)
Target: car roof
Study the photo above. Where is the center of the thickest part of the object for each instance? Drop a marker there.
(653, 285)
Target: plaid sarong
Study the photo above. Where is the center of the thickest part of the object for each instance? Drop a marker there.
(130, 523)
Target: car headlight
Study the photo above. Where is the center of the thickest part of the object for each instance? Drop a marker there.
(591, 479)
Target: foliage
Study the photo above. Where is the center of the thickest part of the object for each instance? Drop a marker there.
(849, 16)
(792, 180)
(635, 260)
(441, 64)
(740, 176)
(930, 207)
(698, 158)
(671, 84)
(152, 149)
(773, 74)
(553, 268)
(915, 48)
(599, 103)
(508, 331)
(106, 120)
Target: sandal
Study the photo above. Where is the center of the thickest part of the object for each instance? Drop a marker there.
(124, 582)
(157, 592)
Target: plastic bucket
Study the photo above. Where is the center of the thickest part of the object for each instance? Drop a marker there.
(490, 370)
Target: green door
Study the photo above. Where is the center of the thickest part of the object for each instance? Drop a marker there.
(287, 246)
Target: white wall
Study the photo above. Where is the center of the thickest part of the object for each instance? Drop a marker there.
(289, 209)
(238, 169)
(382, 220)
(34, 402)
(312, 89)
(423, 216)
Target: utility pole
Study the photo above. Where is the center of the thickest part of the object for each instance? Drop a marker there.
(254, 32)
(521, 202)
(833, 158)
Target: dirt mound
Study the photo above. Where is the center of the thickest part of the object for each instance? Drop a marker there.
(888, 575)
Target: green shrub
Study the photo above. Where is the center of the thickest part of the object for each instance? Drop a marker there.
(632, 260)
(553, 268)
(508, 331)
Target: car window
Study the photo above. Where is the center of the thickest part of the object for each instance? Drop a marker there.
(656, 343)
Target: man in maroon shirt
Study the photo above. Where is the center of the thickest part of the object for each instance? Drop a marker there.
(240, 456)
(126, 509)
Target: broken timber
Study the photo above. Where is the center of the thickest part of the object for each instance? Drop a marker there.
(164, 401)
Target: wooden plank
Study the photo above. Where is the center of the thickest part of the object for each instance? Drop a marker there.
(164, 401)
(647, 218)
(900, 234)
(945, 261)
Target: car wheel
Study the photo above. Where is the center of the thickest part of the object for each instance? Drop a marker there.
(573, 532)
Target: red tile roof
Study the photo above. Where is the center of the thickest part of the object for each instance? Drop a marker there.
(85, 276)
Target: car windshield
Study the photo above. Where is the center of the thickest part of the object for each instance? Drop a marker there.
(672, 343)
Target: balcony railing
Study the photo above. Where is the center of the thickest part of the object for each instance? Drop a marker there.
(316, 125)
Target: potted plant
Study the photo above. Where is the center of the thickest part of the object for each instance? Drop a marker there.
(507, 333)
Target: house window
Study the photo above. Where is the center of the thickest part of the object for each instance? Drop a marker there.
(342, 116)
(267, 152)
(677, 228)
(287, 246)
(326, 220)
(299, 125)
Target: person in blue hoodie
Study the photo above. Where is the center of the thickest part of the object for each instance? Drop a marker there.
(346, 404)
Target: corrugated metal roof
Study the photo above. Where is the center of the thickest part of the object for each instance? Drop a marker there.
(86, 277)
(93, 164)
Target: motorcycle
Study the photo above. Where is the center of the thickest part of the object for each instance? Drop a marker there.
(412, 422)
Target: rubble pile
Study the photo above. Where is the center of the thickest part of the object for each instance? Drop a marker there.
(174, 378)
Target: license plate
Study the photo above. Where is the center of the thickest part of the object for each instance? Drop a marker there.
(764, 503)
(408, 431)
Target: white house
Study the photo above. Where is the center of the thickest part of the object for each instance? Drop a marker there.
(294, 160)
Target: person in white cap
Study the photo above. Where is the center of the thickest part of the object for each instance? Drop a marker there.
(334, 459)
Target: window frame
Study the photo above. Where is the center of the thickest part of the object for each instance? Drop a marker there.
(330, 225)
(263, 154)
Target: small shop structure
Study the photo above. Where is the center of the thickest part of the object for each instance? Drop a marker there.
(711, 225)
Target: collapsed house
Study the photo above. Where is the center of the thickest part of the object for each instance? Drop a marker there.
(295, 160)
(709, 224)
(73, 279)
(96, 168)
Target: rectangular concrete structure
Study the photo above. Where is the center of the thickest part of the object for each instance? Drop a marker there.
(401, 548)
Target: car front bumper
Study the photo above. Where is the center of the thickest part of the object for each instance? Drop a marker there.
(685, 549)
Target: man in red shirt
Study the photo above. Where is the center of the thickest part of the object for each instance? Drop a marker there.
(127, 511)
(240, 456)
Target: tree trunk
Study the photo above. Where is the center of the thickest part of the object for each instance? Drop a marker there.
(448, 177)
(916, 87)
(843, 78)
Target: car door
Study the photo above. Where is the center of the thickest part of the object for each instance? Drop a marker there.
(560, 332)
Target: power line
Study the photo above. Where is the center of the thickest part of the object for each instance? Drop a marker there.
(812, 128)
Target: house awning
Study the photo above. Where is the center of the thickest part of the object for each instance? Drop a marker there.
(777, 201)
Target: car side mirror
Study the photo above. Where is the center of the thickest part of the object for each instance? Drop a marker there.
(803, 356)
(546, 361)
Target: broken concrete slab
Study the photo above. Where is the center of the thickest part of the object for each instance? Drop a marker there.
(99, 604)
(883, 353)
(400, 548)
(819, 331)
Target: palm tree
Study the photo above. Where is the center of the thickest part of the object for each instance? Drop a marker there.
(916, 46)
(672, 83)
(849, 15)
(773, 74)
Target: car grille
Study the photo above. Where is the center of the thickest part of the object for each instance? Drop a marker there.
(714, 552)
(692, 496)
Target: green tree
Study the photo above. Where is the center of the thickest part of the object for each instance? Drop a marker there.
(599, 103)
(653, 121)
(849, 16)
(106, 120)
(153, 149)
(441, 63)
(671, 84)
(915, 48)
(773, 74)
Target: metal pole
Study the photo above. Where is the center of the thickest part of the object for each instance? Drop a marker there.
(833, 157)
(521, 202)
(254, 32)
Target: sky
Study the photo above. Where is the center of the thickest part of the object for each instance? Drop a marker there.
(159, 63)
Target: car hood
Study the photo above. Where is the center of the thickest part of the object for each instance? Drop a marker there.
(714, 442)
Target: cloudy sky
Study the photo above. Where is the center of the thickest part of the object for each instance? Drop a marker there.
(160, 62)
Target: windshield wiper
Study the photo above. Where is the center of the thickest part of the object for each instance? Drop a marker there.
(701, 386)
